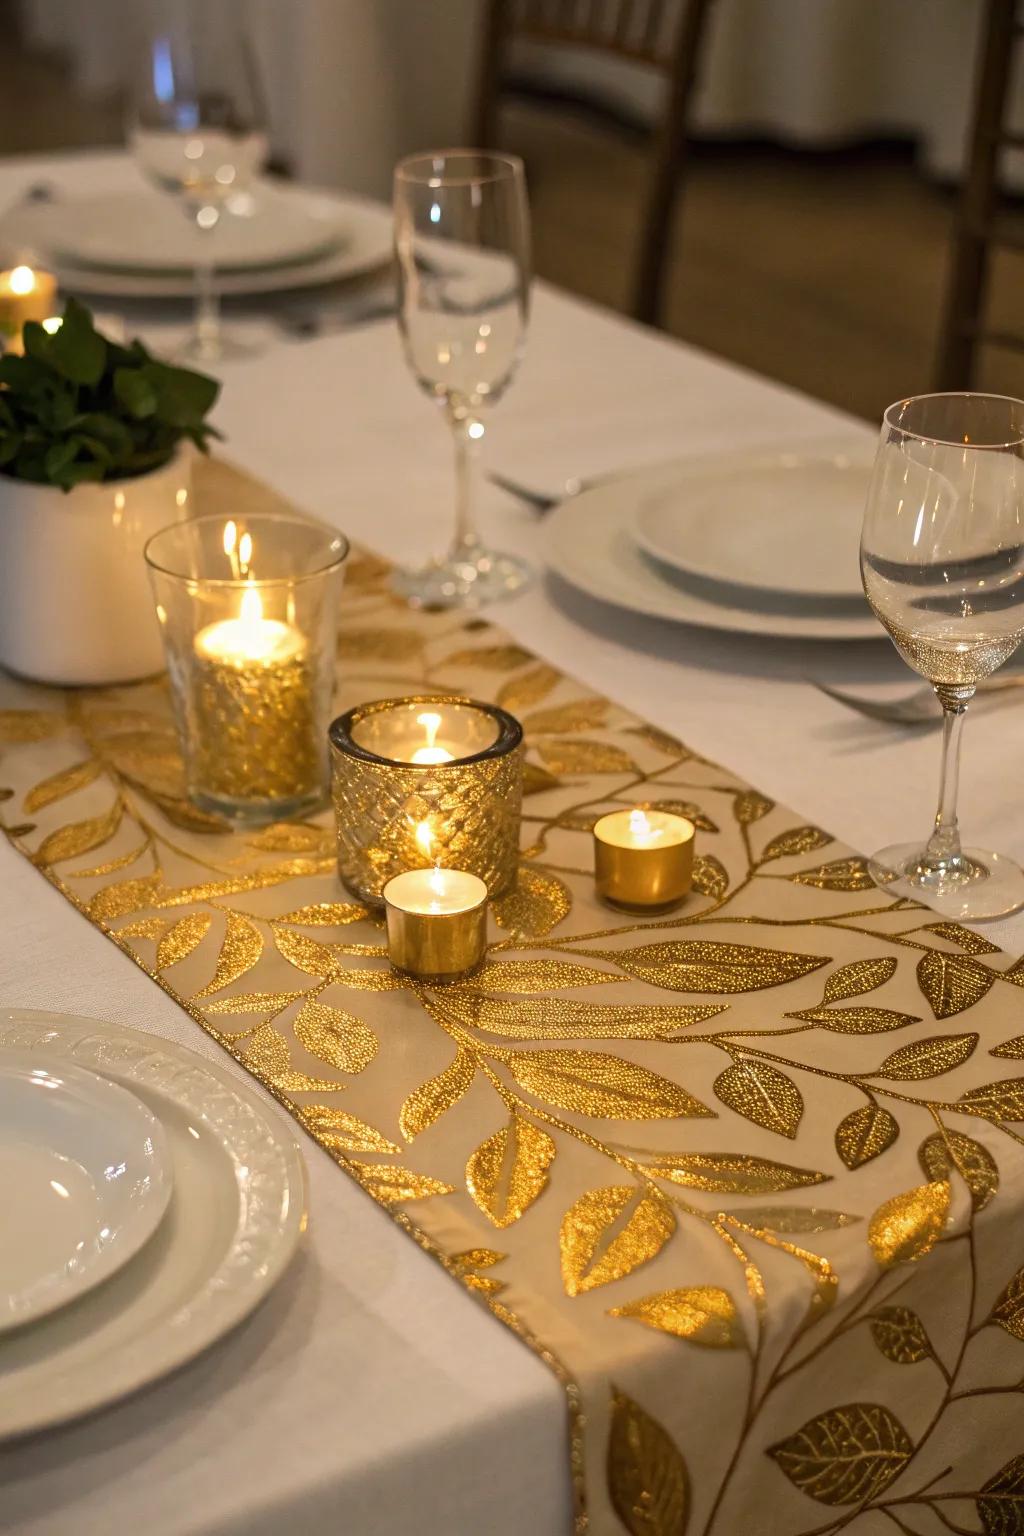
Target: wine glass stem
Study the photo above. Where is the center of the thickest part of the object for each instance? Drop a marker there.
(207, 304)
(944, 844)
(468, 432)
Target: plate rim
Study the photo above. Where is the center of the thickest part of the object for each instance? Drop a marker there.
(259, 1250)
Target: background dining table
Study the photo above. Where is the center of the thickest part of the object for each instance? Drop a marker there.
(369, 1386)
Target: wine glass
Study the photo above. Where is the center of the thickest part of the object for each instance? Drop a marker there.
(462, 242)
(197, 131)
(942, 561)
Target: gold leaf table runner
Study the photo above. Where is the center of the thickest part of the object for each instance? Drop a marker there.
(747, 1176)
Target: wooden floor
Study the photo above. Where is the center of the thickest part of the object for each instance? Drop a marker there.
(823, 270)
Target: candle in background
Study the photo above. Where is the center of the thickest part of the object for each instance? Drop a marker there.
(643, 858)
(436, 922)
(25, 294)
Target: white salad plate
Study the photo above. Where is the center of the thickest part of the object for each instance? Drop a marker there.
(232, 1225)
(85, 1177)
(785, 521)
(590, 543)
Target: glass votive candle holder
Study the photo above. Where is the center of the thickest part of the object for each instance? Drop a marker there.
(26, 293)
(248, 609)
(429, 780)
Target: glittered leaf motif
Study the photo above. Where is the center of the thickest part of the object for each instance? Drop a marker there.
(580, 756)
(529, 688)
(478, 1258)
(608, 1233)
(865, 1134)
(900, 1335)
(371, 981)
(18, 726)
(1008, 1311)
(701, 1314)
(182, 938)
(326, 914)
(952, 983)
(142, 928)
(927, 1058)
(686, 808)
(537, 779)
(591, 1083)
(1000, 1501)
(839, 875)
(858, 977)
(661, 741)
(909, 1225)
(492, 658)
(1003, 1100)
(60, 784)
(335, 1036)
(527, 976)
(710, 877)
(857, 1021)
(267, 1052)
(731, 1173)
(955, 933)
(941, 1152)
(240, 949)
(536, 903)
(307, 954)
(299, 1082)
(703, 965)
(794, 1218)
(797, 841)
(124, 896)
(1010, 1050)
(763, 1094)
(578, 715)
(437, 1095)
(293, 837)
(109, 866)
(80, 837)
(340, 1131)
(647, 1480)
(380, 644)
(750, 806)
(563, 1018)
(845, 1456)
(508, 1171)
(252, 1002)
(391, 1184)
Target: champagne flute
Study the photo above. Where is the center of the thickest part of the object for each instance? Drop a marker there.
(942, 561)
(197, 131)
(462, 242)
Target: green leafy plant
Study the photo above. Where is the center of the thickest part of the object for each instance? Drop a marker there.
(78, 406)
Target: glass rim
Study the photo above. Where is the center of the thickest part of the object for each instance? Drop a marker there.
(509, 737)
(335, 538)
(889, 419)
(420, 169)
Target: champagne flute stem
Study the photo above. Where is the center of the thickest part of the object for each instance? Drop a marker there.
(943, 846)
(468, 434)
(207, 313)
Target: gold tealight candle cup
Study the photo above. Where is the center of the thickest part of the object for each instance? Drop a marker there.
(643, 858)
(436, 922)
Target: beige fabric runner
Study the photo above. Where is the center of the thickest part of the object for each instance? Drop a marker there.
(748, 1176)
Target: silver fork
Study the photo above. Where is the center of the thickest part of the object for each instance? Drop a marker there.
(920, 707)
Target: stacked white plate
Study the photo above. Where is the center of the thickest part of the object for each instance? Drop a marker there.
(140, 244)
(148, 1201)
(760, 543)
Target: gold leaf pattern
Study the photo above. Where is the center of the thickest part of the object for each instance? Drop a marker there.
(847, 1455)
(859, 977)
(647, 1478)
(704, 965)
(478, 1258)
(182, 938)
(1000, 1501)
(335, 1036)
(608, 1233)
(661, 741)
(536, 780)
(528, 976)
(378, 644)
(794, 1218)
(60, 784)
(536, 903)
(437, 1095)
(900, 1335)
(970, 942)
(761, 1093)
(390, 1184)
(1003, 1100)
(144, 928)
(865, 1134)
(326, 914)
(839, 875)
(339, 1130)
(97, 871)
(253, 1002)
(940, 1153)
(563, 1018)
(952, 983)
(579, 715)
(908, 1226)
(293, 837)
(858, 1021)
(1010, 1050)
(686, 808)
(80, 837)
(124, 896)
(509, 1170)
(701, 1314)
(592, 1083)
(307, 954)
(1008, 1311)
(25, 725)
(799, 840)
(241, 947)
(267, 1052)
(493, 658)
(710, 877)
(728, 1173)
(528, 688)
(750, 807)
(582, 756)
(927, 1058)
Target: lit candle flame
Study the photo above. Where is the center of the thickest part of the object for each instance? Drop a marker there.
(245, 552)
(430, 752)
(639, 825)
(425, 839)
(252, 606)
(230, 537)
(23, 280)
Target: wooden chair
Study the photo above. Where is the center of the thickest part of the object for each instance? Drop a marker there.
(976, 228)
(664, 35)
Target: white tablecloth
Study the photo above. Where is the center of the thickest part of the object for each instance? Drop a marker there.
(370, 1396)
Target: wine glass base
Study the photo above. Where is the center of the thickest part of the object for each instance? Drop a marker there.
(978, 885)
(225, 347)
(468, 582)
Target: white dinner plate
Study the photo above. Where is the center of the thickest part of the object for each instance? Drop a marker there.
(590, 543)
(784, 521)
(231, 1227)
(85, 1177)
(366, 246)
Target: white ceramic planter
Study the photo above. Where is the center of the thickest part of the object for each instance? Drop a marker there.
(75, 601)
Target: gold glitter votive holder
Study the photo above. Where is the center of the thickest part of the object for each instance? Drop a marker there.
(248, 609)
(426, 780)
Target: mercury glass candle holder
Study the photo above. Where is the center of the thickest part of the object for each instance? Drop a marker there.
(429, 780)
(248, 610)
